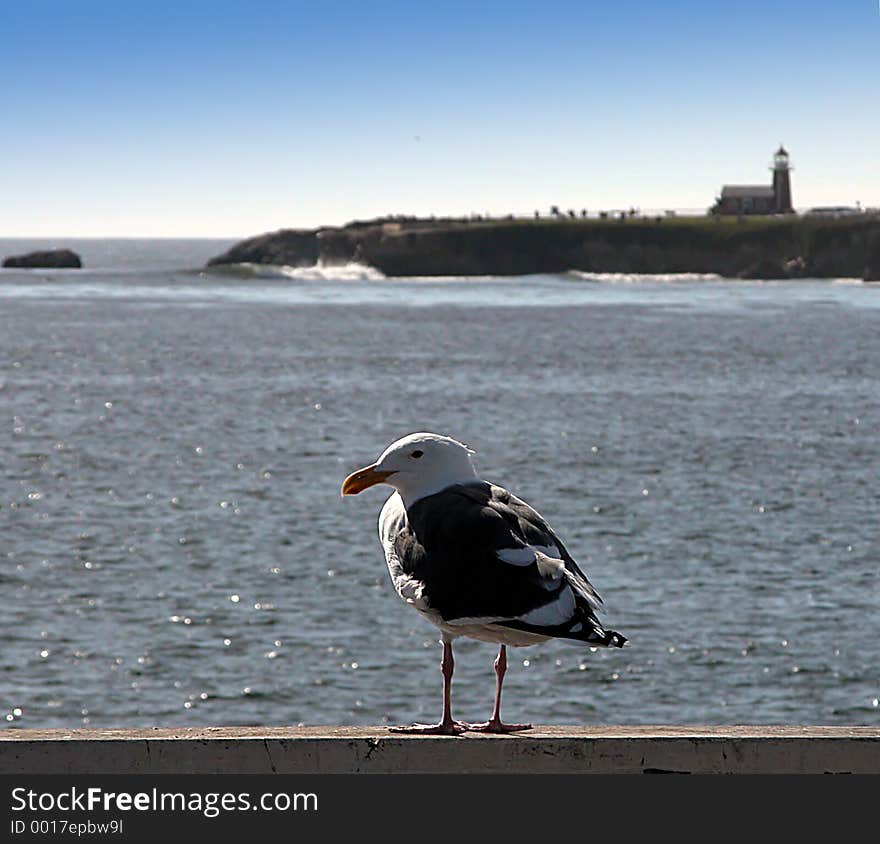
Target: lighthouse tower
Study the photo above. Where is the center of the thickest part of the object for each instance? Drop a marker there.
(781, 182)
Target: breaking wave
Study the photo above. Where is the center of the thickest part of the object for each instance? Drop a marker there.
(640, 278)
(319, 272)
(849, 281)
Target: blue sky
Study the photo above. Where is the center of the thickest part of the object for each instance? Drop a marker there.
(228, 119)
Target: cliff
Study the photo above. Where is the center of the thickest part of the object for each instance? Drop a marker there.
(288, 247)
(763, 248)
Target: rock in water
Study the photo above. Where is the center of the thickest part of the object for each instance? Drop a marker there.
(51, 259)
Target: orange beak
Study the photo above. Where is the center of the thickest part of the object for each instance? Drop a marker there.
(363, 479)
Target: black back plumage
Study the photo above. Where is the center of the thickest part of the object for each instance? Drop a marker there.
(451, 543)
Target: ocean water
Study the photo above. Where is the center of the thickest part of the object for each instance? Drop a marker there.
(175, 550)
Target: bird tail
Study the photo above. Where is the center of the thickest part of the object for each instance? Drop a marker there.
(607, 639)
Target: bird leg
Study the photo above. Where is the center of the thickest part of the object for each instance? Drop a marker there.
(495, 724)
(446, 727)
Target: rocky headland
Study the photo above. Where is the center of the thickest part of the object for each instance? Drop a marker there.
(780, 247)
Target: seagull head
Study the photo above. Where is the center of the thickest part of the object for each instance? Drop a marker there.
(417, 465)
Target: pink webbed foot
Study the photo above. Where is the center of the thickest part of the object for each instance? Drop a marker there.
(497, 726)
(450, 728)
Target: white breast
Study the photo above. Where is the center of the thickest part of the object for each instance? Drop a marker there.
(392, 520)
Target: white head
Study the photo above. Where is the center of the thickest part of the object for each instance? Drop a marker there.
(417, 465)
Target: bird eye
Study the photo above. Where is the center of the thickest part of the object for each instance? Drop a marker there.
(417, 453)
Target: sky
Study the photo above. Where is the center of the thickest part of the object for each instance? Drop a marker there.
(226, 119)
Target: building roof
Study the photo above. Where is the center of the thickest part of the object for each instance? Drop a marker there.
(737, 191)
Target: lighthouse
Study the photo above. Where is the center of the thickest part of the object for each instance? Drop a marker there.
(760, 199)
(781, 182)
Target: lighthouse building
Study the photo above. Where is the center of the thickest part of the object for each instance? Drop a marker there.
(760, 199)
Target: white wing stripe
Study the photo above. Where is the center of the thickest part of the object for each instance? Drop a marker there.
(558, 611)
(517, 556)
(549, 567)
(525, 556)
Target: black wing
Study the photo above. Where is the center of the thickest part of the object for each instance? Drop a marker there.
(484, 554)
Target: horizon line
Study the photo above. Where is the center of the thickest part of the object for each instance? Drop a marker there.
(390, 218)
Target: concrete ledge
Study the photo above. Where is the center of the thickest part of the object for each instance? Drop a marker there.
(550, 750)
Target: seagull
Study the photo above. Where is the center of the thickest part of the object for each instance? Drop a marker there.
(476, 561)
